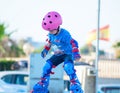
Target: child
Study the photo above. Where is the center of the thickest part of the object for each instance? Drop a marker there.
(66, 50)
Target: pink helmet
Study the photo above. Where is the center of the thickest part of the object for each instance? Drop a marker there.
(51, 21)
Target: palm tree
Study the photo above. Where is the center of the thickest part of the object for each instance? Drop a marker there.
(2, 34)
(8, 47)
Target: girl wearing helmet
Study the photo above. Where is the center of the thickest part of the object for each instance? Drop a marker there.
(65, 50)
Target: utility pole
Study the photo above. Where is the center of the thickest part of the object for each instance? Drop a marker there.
(97, 46)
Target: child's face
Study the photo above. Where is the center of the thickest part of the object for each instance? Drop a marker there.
(53, 31)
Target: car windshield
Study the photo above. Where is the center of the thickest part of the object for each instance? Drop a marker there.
(21, 79)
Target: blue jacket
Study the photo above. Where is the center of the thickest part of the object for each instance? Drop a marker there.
(61, 41)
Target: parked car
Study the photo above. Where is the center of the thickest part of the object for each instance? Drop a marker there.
(20, 65)
(15, 79)
(109, 88)
(8, 88)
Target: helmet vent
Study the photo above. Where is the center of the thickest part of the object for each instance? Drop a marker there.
(49, 16)
(50, 22)
(56, 16)
(44, 23)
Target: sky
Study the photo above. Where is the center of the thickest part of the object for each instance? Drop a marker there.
(79, 18)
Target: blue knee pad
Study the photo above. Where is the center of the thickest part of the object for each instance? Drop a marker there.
(46, 73)
(47, 68)
(42, 85)
(69, 68)
(75, 86)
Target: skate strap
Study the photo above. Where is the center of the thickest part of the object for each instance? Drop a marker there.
(40, 83)
(73, 81)
(42, 78)
(52, 72)
(53, 66)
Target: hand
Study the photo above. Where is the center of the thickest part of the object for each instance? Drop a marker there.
(44, 53)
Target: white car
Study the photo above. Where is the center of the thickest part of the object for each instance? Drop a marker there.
(109, 88)
(8, 88)
(14, 77)
(14, 81)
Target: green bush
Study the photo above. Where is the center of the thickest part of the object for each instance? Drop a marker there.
(6, 64)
